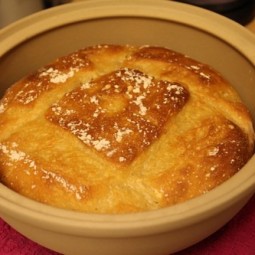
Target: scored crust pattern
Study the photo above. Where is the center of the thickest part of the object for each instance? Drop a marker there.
(117, 129)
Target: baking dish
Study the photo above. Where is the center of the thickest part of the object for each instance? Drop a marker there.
(203, 35)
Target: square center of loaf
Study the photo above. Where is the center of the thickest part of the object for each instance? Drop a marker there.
(119, 114)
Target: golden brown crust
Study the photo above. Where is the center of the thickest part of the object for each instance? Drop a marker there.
(117, 129)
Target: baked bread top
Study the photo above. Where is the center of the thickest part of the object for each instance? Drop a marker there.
(118, 129)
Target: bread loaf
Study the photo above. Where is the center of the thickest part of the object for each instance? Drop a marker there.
(119, 129)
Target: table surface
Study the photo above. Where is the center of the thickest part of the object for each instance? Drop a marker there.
(236, 238)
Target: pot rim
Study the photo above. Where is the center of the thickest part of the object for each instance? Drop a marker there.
(182, 13)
